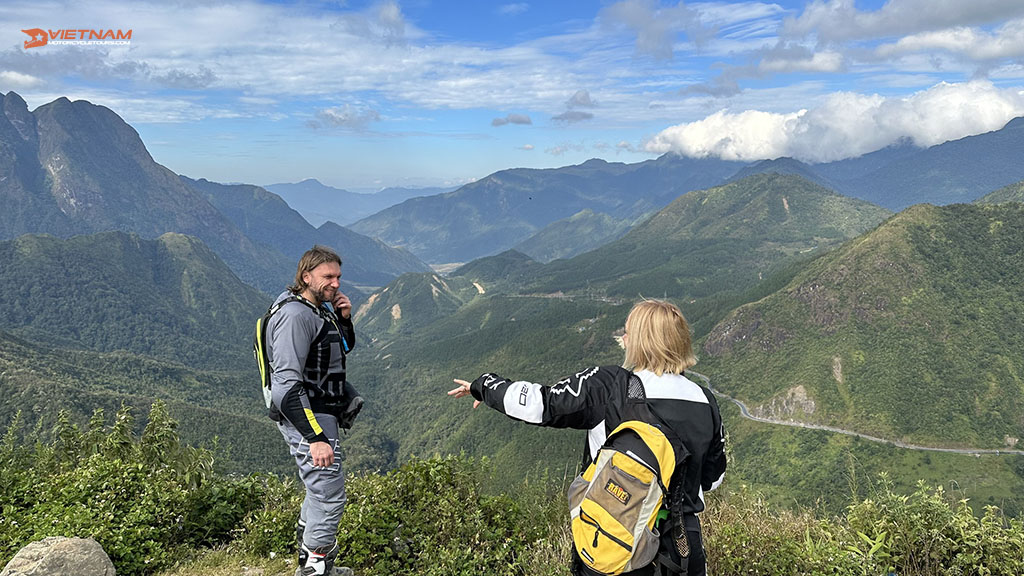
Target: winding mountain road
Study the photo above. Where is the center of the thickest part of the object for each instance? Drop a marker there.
(746, 414)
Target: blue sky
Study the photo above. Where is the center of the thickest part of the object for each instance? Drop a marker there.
(363, 95)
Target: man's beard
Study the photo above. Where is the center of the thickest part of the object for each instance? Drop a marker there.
(321, 294)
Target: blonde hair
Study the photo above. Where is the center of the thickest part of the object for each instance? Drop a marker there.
(658, 338)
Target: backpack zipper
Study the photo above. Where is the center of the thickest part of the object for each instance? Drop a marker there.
(589, 520)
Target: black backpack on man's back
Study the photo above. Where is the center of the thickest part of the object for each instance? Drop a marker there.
(351, 402)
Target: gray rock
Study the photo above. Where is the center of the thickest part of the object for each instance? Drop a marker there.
(59, 556)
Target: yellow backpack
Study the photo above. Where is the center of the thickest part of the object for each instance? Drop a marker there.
(614, 503)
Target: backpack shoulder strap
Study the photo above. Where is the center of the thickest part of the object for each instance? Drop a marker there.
(293, 298)
(638, 408)
(323, 313)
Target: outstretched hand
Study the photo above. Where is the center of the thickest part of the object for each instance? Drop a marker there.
(462, 390)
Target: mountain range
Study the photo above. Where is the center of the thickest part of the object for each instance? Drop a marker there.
(495, 213)
(319, 203)
(957, 171)
(77, 168)
(833, 311)
(263, 215)
(712, 250)
(595, 202)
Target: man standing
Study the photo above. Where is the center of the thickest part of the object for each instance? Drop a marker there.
(308, 338)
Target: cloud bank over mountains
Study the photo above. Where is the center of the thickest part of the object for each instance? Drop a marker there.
(846, 125)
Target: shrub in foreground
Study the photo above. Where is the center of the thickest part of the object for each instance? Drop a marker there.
(921, 534)
(144, 499)
(428, 517)
(149, 502)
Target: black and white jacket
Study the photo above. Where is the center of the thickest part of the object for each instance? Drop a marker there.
(590, 400)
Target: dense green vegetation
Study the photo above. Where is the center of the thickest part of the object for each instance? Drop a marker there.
(579, 233)
(169, 298)
(41, 381)
(909, 333)
(158, 506)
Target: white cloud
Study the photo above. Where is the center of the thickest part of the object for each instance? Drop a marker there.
(840, 20)
(748, 135)
(846, 125)
(348, 116)
(17, 81)
(271, 59)
(308, 54)
(187, 80)
(513, 9)
(562, 149)
(526, 147)
(817, 62)
(383, 21)
(572, 116)
(1006, 42)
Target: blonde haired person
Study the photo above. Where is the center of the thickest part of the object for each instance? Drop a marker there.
(659, 349)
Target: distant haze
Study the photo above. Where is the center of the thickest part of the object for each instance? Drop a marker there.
(319, 203)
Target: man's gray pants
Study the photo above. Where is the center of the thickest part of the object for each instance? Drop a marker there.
(325, 487)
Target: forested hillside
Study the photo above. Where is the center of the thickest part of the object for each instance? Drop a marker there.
(221, 408)
(910, 332)
(169, 298)
(1012, 193)
(582, 232)
(709, 247)
(97, 321)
